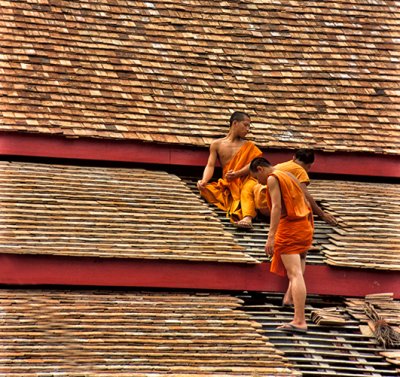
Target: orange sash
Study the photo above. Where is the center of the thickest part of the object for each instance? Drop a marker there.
(295, 230)
(226, 195)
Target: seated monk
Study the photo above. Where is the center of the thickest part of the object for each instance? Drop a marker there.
(290, 234)
(299, 166)
(233, 192)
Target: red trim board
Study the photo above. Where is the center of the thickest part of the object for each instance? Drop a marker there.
(48, 146)
(16, 269)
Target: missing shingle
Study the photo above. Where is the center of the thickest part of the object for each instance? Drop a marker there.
(379, 92)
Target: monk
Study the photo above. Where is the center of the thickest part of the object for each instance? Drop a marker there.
(233, 193)
(290, 234)
(299, 166)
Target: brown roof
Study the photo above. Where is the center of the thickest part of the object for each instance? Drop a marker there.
(379, 310)
(325, 75)
(368, 235)
(131, 333)
(139, 213)
(335, 348)
(369, 231)
(128, 334)
(108, 212)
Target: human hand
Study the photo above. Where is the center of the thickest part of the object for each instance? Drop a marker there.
(330, 219)
(201, 184)
(269, 245)
(230, 175)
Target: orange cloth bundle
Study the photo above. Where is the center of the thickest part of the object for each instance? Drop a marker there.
(227, 195)
(260, 198)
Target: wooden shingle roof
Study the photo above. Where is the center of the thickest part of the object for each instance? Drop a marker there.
(318, 74)
(368, 235)
(146, 214)
(144, 334)
(388, 311)
(108, 212)
(132, 334)
(369, 231)
(344, 350)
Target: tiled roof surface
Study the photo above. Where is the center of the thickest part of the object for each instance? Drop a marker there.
(254, 241)
(368, 235)
(388, 310)
(321, 74)
(325, 350)
(369, 231)
(138, 213)
(131, 334)
(108, 212)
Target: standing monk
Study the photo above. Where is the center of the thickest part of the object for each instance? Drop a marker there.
(290, 233)
(233, 192)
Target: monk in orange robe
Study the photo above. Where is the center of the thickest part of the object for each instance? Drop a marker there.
(290, 234)
(233, 192)
(299, 166)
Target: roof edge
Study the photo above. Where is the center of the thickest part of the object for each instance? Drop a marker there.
(50, 146)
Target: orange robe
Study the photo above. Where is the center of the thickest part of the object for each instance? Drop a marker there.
(298, 171)
(295, 230)
(235, 197)
(260, 190)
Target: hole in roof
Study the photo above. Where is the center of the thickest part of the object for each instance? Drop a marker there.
(380, 92)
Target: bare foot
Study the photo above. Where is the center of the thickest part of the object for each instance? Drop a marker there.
(290, 327)
(245, 223)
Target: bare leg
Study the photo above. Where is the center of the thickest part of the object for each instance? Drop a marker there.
(294, 269)
(288, 297)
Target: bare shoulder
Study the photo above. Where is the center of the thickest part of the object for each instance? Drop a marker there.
(271, 180)
(219, 144)
(216, 143)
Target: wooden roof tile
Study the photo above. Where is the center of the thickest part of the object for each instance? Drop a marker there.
(131, 70)
(369, 231)
(368, 235)
(122, 333)
(326, 349)
(71, 210)
(388, 310)
(108, 212)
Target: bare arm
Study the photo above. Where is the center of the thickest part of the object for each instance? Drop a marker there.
(209, 169)
(276, 210)
(328, 218)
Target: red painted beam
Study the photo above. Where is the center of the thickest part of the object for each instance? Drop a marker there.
(47, 146)
(28, 270)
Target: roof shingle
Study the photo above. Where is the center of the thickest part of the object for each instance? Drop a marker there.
(369, 231)
(108, 212)
(321, 74)
(122, 333)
